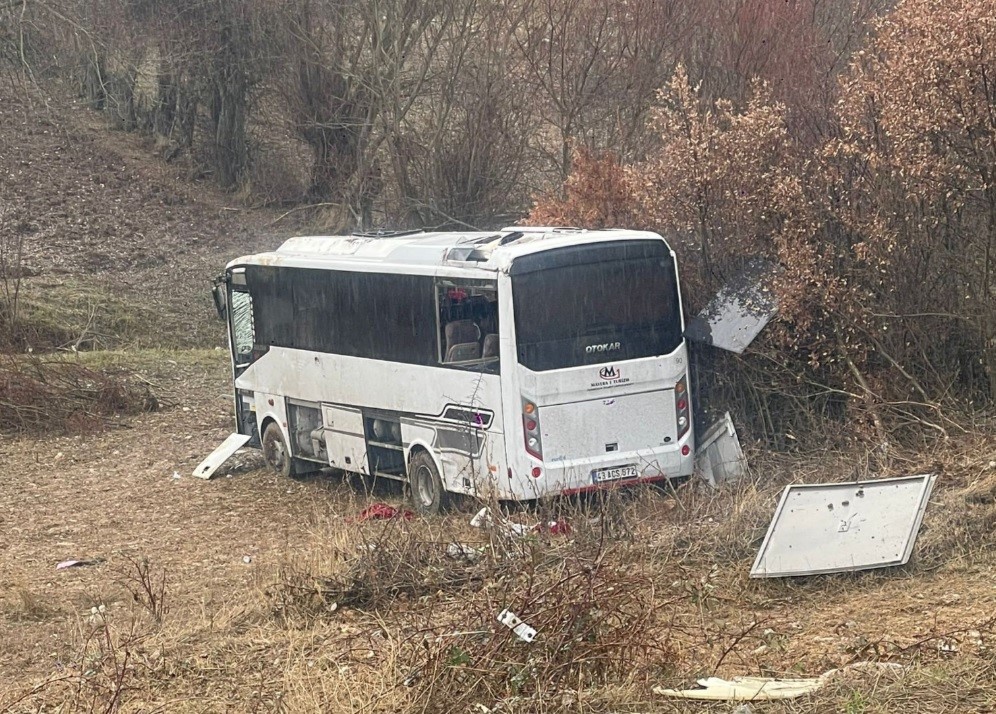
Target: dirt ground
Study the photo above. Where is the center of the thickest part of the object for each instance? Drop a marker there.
(228, 631)
(125, 494)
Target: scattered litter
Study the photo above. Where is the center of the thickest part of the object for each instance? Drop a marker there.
(176, 475)
(523, 631)
(840, 527)
(741, 689)
(97, 614)
(947, 647)
(719, 458)
(247, 559)
(219, 456)
(382, 512)
(485, 519)
(65, 564)
(745, 689)
(462, 551)
(553, 528)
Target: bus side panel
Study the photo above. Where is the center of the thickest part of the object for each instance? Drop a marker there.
(271, 406)
(344, 439)
(421, 396)
(467, 457)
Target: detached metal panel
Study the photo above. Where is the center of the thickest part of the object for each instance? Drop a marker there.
(719, 457)
(739, 311)
(219, 456)
(831, 528)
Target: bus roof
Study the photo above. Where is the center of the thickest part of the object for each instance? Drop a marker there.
(482, 250)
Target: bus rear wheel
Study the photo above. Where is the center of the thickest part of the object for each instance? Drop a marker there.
(275, 452)
(427, 493)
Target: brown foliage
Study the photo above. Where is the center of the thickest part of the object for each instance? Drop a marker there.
(60, 396)
(597, 194)
(902, 199)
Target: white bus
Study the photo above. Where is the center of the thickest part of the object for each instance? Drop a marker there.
(513, 364)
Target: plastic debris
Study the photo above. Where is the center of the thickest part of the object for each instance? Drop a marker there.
(745, 689)
(66, 564)
(738, 313)
(219, 456)
(485, 519)
(741, 689)
(719, 458)
(839, 527)
(382, 512)
(462, 551)
(523, 631)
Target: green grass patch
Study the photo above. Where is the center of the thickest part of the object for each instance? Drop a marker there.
(155, 359)
(72, 315)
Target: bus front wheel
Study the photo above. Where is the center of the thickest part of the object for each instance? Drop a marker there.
(275, 452)
(427, 492)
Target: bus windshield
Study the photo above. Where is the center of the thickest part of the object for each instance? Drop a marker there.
(595, 303)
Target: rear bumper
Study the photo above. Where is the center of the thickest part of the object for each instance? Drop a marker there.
(577, 476)
(611, 485)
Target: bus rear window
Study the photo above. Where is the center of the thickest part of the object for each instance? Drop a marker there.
(596, 303)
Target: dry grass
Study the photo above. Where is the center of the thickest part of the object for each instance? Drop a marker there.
(45, 395)
(334, 615)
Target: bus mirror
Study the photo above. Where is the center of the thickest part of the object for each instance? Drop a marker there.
(220, 295)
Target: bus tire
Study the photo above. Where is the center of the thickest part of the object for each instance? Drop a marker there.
(428, 495)
(275, 452)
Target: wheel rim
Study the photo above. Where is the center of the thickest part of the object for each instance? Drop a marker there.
(275, 453)
(425, 486)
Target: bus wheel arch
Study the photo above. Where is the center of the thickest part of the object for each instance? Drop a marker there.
(276, 452)
(425, 484)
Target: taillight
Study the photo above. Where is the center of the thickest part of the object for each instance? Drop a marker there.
(681, 414)
(531, 429)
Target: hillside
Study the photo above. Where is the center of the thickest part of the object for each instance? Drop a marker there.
(120, 239)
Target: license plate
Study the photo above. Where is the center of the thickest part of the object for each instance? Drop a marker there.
(616, 473)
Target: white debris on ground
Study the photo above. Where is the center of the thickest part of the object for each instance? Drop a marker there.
(741, 689)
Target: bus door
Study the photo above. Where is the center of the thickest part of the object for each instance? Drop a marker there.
(242, 339)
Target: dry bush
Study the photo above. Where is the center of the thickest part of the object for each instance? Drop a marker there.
(598, 193)
(52, 395)
(114, 654)
(592, 599)
(884, 230)
(374, 564)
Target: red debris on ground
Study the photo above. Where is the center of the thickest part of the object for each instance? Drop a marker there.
(553, 528)
(382, 512)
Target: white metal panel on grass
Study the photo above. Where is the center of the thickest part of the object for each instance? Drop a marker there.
(223, 453)
(830, 528)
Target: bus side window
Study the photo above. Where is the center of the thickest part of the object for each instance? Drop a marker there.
(468, 322)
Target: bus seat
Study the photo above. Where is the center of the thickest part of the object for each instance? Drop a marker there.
(461, 332)
(490, 346)
(463, 352)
